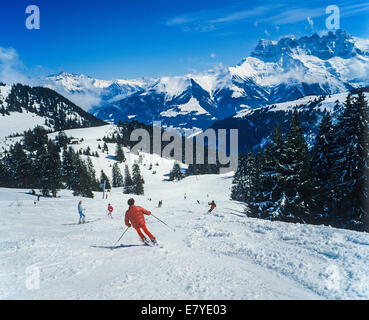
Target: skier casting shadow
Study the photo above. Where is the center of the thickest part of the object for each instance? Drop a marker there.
(81, 211)
(212, 206)
(135, 217)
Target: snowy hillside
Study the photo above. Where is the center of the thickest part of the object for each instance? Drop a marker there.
(219, 256)
(223, 255)
(276, 71)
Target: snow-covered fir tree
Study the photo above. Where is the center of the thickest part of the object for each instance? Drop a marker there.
(242, 180)
(117, 178)
(137, 179)
(176, 172)
(128, 183)
(351, 164)
(119, 154)
(104, 177)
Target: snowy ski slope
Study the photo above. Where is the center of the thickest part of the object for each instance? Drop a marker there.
(223, 255)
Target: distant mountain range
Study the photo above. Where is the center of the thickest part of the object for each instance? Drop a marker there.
(276, 71)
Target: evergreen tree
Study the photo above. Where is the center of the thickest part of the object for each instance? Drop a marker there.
(128, 182)
(295, 175)
(105, 148)
(117, 180)
(119, 155)
(137, 179)
(104, 177)
(81, 180)
(176, 173)
(95, 185)
(268, 196)
(322, 169)
(22, 173)
(69, 160)
(62, 140)
(4, 174)
(49, 168)
(351, 165)
(242, 180)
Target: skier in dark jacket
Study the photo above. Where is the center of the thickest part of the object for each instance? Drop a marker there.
(212, 206)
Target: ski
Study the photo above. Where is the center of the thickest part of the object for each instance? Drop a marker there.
(76, 224)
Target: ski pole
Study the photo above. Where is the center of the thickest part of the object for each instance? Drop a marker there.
(122, 235)
(163, 222)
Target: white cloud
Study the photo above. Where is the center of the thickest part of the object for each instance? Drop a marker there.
(311, 23)
(12, 69)
(212, 55)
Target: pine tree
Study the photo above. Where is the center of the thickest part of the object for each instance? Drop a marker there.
(95, 185)
(176, 173)
(137, 179)
(351, 165)
(242, 180)
(117, 180)
(81, 180)
(69, 160)
(49, 168)
(119, 155)
(4, 174)
(295, 176)
(128, 183)
(105, 148)
(322, 169)
(267, 194)
(104, 177)
(21, 167)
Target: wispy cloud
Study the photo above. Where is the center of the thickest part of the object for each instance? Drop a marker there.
(271, 13)
(12, 69)
(311, 23)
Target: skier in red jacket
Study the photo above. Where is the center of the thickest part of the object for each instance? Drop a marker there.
(135, 217)
(110, 210)
(212, 206)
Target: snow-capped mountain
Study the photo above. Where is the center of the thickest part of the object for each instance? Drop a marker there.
(276, 71)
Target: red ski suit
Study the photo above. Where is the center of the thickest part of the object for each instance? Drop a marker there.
(135, 216)
(110, 209)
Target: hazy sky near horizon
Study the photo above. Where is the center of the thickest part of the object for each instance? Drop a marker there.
(129, 39)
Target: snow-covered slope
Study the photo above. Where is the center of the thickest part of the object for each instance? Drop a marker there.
(276, 71)
(223, 255)
(219, 256)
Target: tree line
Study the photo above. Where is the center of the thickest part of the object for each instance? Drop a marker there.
(327, 184)
(37, 162)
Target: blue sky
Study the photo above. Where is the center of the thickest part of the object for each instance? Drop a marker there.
(128, 39)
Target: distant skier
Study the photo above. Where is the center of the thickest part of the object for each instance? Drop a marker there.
(160, 203)
(198, 202)
(110, 210)
(135, 217)
(38, 198)
(185, 196)
(212, 206)
(81, 211)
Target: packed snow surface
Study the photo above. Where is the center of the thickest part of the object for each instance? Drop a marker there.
(223, 255)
